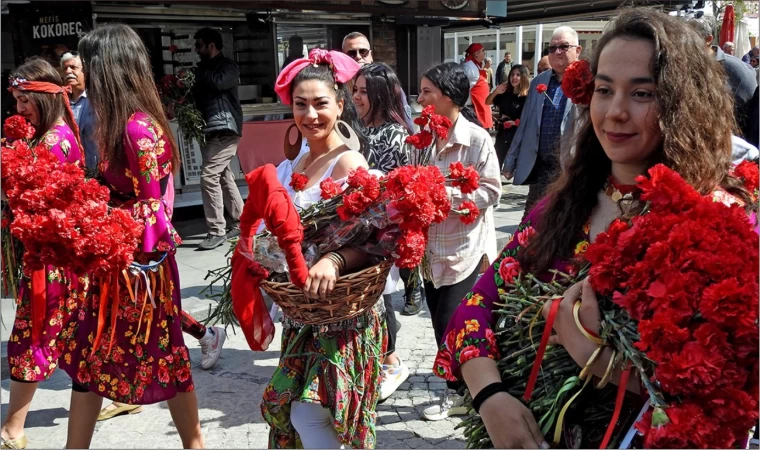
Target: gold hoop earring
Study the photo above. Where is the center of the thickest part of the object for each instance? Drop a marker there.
(292, 150)
(347, 135)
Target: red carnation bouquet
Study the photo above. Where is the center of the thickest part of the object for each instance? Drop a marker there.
(177, 98)
(60, 218)
(678, 298)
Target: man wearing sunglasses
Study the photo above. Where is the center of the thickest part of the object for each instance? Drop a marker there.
(356, 45)
(534, 158)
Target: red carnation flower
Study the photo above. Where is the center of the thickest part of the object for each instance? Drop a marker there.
(410, 249)
(421, 140)
(173, 48)
(747, 171)
(467, 181)
(329, 188)
(440, 125)
(456, 170)
(578, 82)
(468, 212)
(541, 88)
(298, 181)
(16, 127)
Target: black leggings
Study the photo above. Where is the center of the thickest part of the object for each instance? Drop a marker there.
(390, 321)
(443, 301)
(76, 387)
(19, 380)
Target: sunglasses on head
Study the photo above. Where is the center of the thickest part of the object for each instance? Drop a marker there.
(562, 48)
(362, 51)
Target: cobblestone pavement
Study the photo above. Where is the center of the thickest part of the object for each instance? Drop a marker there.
(230, 393)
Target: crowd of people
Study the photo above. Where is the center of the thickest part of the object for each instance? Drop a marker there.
(352, 113)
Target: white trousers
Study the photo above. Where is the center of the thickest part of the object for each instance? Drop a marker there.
(315, 425)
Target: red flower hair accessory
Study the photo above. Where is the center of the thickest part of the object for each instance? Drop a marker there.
(578, 82)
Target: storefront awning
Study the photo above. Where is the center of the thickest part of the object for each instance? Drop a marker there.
(522, 12)
(388, 8)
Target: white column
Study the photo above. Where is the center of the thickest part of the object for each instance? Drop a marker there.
(499, 57)
(456, 47)
(539, 44)
(519, 44)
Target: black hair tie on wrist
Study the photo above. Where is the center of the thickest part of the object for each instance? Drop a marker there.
(486, 393)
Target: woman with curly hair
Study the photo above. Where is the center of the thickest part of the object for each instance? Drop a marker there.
(650, 105)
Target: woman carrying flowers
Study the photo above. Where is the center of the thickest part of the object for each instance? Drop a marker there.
(47, 297)
(644, 109)
(126, 343)
(455, 249)
(377, 96)
(325, 389)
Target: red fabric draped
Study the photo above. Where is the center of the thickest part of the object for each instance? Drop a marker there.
(267, 200)
(479, 93)
(38, 304)
(51, 88)
(727, 29)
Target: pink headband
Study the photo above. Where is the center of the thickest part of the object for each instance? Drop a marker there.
(344, 68)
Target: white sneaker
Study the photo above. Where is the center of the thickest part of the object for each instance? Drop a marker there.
(450, 405)
(393, 376)
(211, 347)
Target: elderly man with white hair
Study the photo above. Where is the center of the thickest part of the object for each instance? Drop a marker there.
(71, 64)
(534, 156)
(728, 48)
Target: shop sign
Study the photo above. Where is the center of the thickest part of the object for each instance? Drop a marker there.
(48, 29)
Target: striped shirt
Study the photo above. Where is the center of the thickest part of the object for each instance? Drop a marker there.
(454, 249)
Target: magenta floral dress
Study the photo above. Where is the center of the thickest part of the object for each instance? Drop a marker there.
(127, 344)
(33, 355)
(470, 333)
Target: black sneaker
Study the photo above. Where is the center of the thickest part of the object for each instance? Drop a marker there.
(412, 302)
(211, 242)
(232, 233)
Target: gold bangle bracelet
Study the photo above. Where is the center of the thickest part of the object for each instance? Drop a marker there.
(591, 361)
(335, 260)
(608, 373)
(596, 340)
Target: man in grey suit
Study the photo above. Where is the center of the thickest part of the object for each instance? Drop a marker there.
(533, 157)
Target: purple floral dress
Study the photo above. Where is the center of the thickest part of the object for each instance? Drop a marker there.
(126, 343)
(33, 356)
(470, 333)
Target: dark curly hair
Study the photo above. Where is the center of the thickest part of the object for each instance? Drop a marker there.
(690, 91)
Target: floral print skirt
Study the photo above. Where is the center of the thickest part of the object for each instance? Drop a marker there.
(126, 343)
(339, 369)
(31, 356)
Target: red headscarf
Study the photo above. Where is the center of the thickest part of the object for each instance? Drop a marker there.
(474, 47)
(45, 87)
